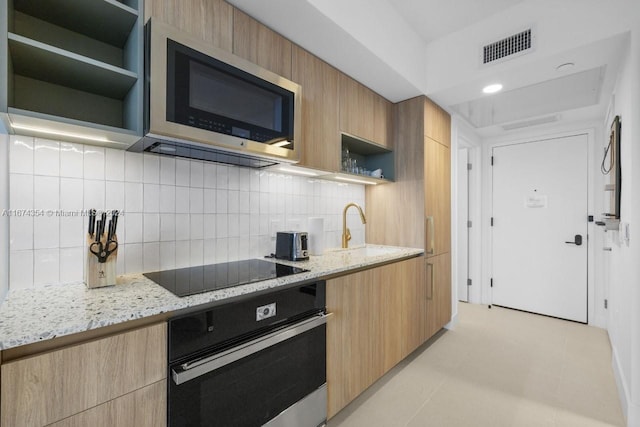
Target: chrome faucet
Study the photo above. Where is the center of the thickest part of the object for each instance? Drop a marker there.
(346, 233)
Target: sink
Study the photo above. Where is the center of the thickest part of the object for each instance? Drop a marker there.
(367, 251)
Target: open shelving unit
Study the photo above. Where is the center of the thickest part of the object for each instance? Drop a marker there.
(370, 156)
(74, 67)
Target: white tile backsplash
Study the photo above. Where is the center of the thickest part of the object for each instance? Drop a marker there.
(21, 154)
(133, 197)
(151, 198)
(71, 265)
(114, 165)
(167, 170)
(20, 232)
(94, 163)
(46, 232)
(21, 269)
(71, 160)
(151, 170)
(94, 192)
(183, 172)
(133, 167)
(47, 157)
(46, 266)
(71, 194)
(46, 193)
(21, 191)
(175, 212)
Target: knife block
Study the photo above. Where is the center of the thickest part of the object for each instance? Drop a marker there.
(100, 274)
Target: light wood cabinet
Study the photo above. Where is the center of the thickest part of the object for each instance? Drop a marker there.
(437, 123)
(415, 210)
(146, 407)
(320, 134)
(260, 45)
(438, 270)
(383, 119)
(414, 309)
(437, 196)
(49, 387)
(365, 334)
(364, 113)
(208, 20)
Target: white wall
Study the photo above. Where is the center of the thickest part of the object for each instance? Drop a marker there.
(596, 311)
(624, 268)
(463, 135)
(175, 212)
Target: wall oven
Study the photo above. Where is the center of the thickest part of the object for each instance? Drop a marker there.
(200, 99)
(254, 362)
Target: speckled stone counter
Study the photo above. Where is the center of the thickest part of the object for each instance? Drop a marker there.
(37, 314)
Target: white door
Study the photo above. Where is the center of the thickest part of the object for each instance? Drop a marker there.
(539, 217)
(462, 226)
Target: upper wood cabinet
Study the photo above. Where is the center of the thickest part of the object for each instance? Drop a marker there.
(260, 45)
(437, 123)
(208, 20)
(364, 113)
(320, 134)
(437, 196)
(49, 387)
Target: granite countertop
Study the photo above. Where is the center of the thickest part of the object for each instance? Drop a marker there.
(42, 313)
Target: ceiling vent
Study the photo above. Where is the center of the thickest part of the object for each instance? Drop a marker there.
(533, 122)
(520, 43)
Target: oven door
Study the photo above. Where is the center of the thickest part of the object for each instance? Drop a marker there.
(278, 379)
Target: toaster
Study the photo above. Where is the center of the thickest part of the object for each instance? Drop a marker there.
(292, 245)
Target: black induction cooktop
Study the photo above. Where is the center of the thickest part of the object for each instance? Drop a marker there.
(205, 278)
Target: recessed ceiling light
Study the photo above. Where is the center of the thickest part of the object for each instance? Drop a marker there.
(497, 87)
(566, 66)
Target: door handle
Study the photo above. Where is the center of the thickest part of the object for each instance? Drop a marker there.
(431, 282)
(577, 240)
(430, 239)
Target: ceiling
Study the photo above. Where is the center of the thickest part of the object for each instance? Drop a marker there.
(404, 48)
(433, 19)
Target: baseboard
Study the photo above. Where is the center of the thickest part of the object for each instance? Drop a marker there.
(623, 390)
(453, 322)
(633, 416)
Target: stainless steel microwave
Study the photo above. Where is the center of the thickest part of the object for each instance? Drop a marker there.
(206, 103)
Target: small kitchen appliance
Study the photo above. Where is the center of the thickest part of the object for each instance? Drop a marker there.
(292, 245)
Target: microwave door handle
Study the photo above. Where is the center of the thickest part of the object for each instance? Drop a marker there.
(194, 369)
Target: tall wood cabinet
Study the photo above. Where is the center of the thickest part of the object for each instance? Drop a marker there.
(415, 210)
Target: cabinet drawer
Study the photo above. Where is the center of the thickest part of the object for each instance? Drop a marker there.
(46, 388)
(146, 407)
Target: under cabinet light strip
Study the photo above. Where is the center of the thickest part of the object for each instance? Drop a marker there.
(299, 172)
(358, 181)
(59, 133)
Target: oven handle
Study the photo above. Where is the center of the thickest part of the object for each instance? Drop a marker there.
(196, 368)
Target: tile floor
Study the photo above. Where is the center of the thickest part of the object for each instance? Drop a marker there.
(496, 368)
